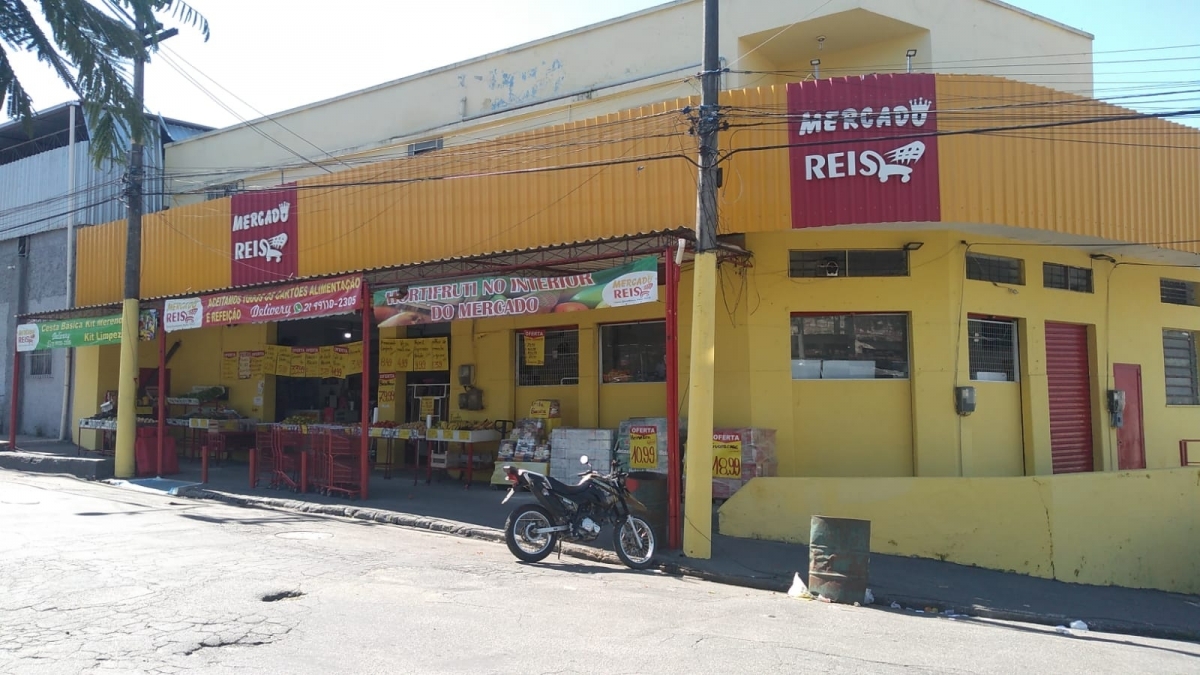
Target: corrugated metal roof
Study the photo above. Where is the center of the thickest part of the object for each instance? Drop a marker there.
(72, 313)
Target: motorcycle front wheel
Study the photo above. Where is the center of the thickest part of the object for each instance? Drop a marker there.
(519, 534)
(634, 543)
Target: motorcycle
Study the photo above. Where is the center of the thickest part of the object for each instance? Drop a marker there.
(576, 513)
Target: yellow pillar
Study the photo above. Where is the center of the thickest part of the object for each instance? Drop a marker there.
(697, 512)
(127, 390)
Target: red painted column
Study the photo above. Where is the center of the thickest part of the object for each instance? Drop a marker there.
(674, 463)
(14, 403)
(162, 392)
(364, 437)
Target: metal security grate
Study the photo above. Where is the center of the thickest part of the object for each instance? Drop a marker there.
(1067, 278)
(562, 360)
(993, 350)
(41, 362)
(1176, 292)
(1179, 361)
(996, 269)
(850, 263)
(633, 352)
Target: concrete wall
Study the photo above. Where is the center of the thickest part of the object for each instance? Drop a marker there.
(909, 427)
(1136, 529)
(34, 283)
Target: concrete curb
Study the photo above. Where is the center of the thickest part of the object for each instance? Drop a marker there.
(85, 468)
(883, 599)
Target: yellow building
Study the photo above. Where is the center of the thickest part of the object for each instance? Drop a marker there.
(943, 293)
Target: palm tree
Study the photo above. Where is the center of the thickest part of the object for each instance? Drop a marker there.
(90, 45)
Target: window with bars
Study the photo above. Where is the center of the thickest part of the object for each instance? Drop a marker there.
(849, 263)
(1176, 292)
(992, 350)
(561, 359)
(41, 362)
(996, 269)
(1179, 364)
(850, 347)
(1067, 278)
(633, 352)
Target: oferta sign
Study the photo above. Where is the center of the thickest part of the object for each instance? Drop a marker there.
(91, 332)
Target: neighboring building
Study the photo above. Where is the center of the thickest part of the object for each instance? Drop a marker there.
(35, 206)
(886, 260)
(630, 61)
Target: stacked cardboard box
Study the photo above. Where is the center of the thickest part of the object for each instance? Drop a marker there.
(568, 445)
(757, 457)
(655, 425)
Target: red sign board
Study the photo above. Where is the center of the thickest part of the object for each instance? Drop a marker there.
(864, 150)
(262, 236)
(324, 297)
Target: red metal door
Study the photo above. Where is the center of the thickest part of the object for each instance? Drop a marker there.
(1069, 379)
(1131, 441)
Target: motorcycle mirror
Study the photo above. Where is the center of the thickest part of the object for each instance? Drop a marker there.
(583, 460)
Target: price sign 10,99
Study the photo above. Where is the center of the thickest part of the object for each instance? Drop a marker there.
(643, 447)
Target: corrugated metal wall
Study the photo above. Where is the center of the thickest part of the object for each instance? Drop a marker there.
(33, 191)
(1132, 181)
(377, 217)
(1113, 180)
(183, 250)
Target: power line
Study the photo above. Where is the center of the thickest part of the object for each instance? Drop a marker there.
(256, 110)
(231, 111)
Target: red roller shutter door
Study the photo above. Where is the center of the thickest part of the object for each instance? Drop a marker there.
(1069, 378)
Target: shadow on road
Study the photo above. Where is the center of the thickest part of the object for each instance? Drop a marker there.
(1075, 635)
(578, 568)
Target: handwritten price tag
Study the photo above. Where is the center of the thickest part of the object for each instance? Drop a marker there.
(727, 456)
(643, 447)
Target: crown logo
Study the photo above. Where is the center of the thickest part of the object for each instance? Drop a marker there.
(920, 110)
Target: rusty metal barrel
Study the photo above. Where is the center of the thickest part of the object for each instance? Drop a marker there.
(650, 488)
(839, 559)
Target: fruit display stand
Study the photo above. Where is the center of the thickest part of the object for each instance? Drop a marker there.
(469, 463)
(107, 427)
(389, 433)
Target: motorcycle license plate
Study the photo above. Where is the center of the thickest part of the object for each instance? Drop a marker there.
(508, 496)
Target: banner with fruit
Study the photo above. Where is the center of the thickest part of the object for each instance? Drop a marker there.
(485, 297)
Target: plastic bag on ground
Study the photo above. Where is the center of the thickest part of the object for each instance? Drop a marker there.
(1078, 625)
(869, 598)
(799, 589)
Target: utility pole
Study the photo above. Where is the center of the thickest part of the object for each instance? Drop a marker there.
(127, 383)
(697, 529)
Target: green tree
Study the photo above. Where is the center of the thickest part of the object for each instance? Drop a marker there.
(91, 46)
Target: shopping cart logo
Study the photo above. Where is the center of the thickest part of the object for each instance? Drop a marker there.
(898, 162)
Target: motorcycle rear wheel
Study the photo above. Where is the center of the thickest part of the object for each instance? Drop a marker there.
(625, 542)
(522, 541)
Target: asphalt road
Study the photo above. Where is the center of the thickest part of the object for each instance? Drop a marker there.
(96, 579)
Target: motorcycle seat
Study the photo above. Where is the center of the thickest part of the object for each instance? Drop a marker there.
(566, 489)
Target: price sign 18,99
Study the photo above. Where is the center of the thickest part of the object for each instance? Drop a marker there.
(727, 455)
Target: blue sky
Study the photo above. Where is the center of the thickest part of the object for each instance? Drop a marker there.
(277, 54)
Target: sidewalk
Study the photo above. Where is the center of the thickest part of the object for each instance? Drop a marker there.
(912, 583)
